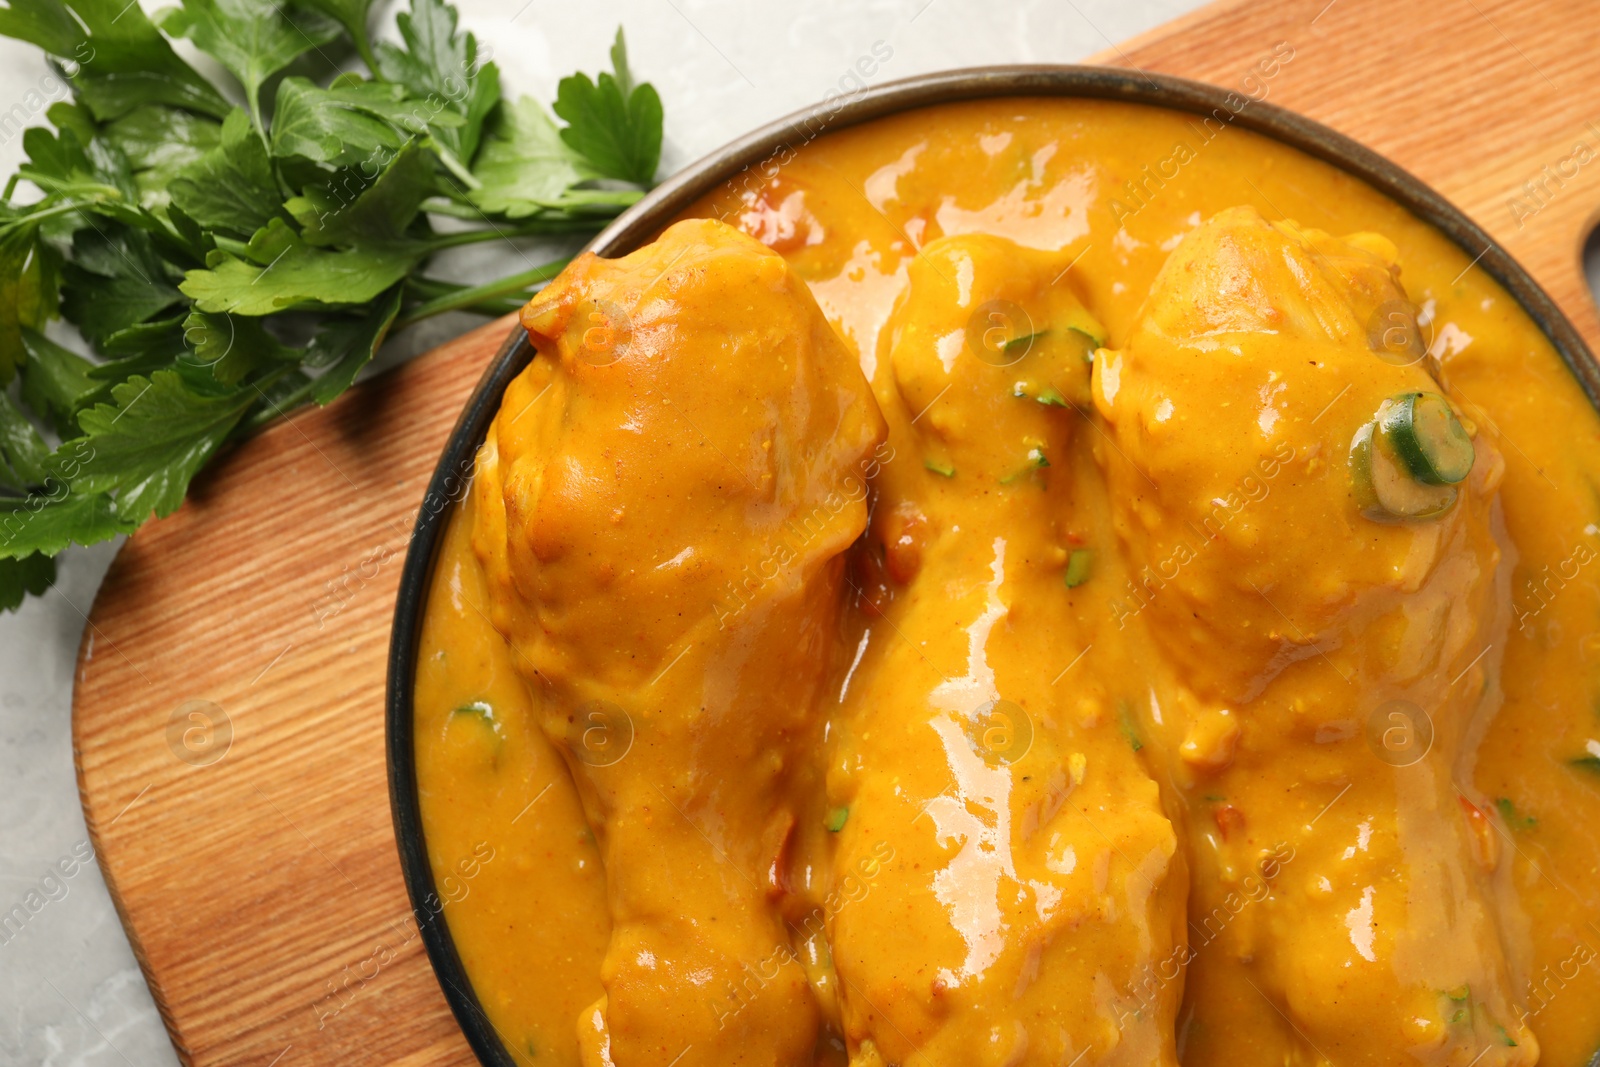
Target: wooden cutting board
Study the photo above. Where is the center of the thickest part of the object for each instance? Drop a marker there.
(252, 861)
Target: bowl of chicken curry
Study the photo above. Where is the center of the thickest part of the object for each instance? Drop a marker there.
(1020, 567)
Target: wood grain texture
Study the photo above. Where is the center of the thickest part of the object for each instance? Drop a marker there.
(254, 886)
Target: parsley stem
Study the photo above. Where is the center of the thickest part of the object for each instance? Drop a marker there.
(594, 207)
(477, 294)
(52, 185)
(463, 237)
(530, 228)
(270, 411)
(363, 43)
(255, 118)
(55, 209)
(267, 414)
(438, 205)
(468, 298)
(453, 165)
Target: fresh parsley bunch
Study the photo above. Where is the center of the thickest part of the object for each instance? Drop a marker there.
(229, 263)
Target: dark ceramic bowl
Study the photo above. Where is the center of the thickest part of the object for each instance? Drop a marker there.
(650, 215)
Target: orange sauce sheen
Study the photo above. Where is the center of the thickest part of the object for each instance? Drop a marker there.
(1249, 798)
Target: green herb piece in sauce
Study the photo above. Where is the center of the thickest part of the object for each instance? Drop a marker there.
(1022, 344)
(1126, 724)
(1036, 461)
(1048, 395)
(1461, 995)
(1096, 340)
(482, 713)
(1078, 567)
(1508, 812)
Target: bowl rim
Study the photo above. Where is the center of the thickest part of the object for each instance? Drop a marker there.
(769, 145)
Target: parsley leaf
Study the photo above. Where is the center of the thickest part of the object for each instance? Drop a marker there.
(160, 143)
(64, 165)
(28, 576)
(352, 122)
(54, 381)
(46, 524)
(285, 272)
(151, 440)
(231, 187)
(614, 124)
(442, 68)
(29, 273)
(353, 16)
(114, 56)
(525, 166)
(21, 447)
(350, 345)
(227, 348)
(254, 39)
(69, 116)
(226, 264)
(114, 281)
(379, 213)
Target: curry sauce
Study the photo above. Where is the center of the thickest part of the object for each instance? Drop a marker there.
(1067, 684)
